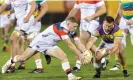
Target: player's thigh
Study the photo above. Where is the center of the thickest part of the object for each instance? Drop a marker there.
(84, 36)
(57, 53)
(15, 35)
(29, 52)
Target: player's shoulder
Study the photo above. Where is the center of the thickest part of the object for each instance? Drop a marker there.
(119, 33)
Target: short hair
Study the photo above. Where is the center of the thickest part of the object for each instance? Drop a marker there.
(73, 20)
(109, 19)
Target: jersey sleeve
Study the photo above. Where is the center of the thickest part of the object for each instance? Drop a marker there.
(43, 1)
(63, 34)
(74, 35)
(118, 34)
(7, 2)
(100, 3)
(96, 34)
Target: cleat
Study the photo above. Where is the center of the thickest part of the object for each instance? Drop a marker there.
(10, 70)
(125, 72)
(97, 74)
(104, 64)
(37, 71)
(48, 59)
(6, 66)
(73, 77)
(115, 68)
(75, 68)
(21, 67)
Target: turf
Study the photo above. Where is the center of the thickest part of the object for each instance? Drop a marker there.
(55, 72)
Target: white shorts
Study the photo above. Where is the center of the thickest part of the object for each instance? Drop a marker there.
(45, 40)
(110, 45)
(123, 25)
(89, 26)
(12, 16)
(24, 26)
(34, 30)
(4, 21)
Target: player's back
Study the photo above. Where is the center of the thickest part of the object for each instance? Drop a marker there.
(21, 7)
(87, 7)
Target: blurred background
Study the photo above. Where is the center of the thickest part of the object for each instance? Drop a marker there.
(58, 10)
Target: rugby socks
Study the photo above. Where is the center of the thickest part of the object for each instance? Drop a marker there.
(39, 64)
(66, 68)
(78, 64)
(124, 67)
(117, 62)
(5, 43)
(22, 63)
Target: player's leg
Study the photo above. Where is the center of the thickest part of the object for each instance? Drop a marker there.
(20, 46)
(99, 62)
(59, 54)
(123, 60)
(84, 37)
(124, 27)
(14, 49)
(38, 60)
(29, 52)
(5, 32)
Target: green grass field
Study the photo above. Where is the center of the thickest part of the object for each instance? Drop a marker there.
(55, 72)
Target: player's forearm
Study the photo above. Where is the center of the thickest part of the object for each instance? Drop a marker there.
(91, 42)
(114, 49)
(101, 10)
(33, 8)
(72, 13)
(43, 11)
(74, 49)
(80, 46)
(3, 7)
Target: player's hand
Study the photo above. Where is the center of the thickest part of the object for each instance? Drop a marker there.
(26, 19)
(83, 60)
(88, 18)
(88, 55)
(35, 21)
(129, 22)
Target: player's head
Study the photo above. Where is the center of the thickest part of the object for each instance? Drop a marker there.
(108, 24)
(72, 23)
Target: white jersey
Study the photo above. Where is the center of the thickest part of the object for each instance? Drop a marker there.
(89, 7)
(21, 7)
(51, 36)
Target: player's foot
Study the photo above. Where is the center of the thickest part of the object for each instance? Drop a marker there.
(75, 68)
(73, 77)
(115, 68)
(5, 49)
(125, 72)
(104, 64)
(48, 59)
(6, 66)
(97, 74)
(37, 71)
(11, 69)
(21, 67)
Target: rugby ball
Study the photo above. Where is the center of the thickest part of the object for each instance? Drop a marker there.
(88, 55)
